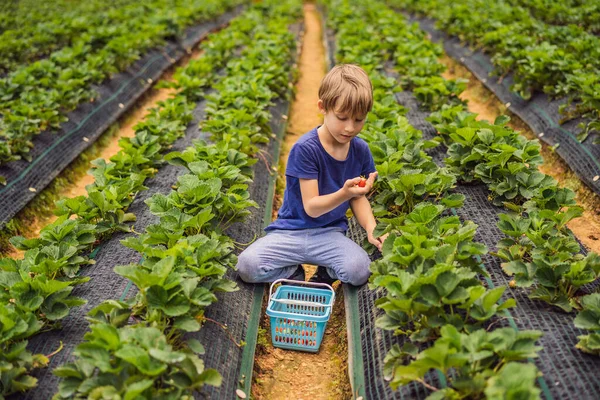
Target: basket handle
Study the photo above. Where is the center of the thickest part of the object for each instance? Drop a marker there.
(300, 302)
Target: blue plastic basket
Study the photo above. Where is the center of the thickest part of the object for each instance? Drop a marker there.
(299, 314)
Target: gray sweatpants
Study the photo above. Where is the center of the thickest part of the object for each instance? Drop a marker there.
(277, 255)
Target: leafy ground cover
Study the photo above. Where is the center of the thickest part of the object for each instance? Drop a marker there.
(36, 290)
(187, 254)
(571, 12)
(32, 32)
(429, 269)
(589, 319)
(539, 250)
(36, 97)
(557, 60)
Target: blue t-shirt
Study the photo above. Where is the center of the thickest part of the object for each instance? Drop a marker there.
(309, 160)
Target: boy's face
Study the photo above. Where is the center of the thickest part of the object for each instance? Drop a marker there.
(342, 126)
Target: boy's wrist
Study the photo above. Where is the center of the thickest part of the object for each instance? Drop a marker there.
(371, 227)
(346, 194)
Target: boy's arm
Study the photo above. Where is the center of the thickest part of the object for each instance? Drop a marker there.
(315, 205)
(361, 208)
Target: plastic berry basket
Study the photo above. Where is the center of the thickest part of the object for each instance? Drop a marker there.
(299, 314)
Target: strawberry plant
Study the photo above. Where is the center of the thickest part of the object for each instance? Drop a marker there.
(33, 31)
(185, 258)
(131, 362)
(406, 175)
(589, 319)
(540, 251)
(63, 246)
(15, 359)
(428, 268)
(557, 60)
(36, 97)
(571, 12)
(492, 153)
(480, 362)
(430, 275)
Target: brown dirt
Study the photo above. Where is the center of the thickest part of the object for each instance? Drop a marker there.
(281, 374)
(304, 113)
(285, 374)
(483, 102)
(126, 130)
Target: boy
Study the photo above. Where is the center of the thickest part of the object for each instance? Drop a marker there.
(323, 179)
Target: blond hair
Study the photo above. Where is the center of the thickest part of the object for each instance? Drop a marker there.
(347, 89)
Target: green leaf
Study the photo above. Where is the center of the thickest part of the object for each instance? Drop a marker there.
(430, 294)
(170, 357)
(157, 297)
(196, 346)
(136, 389)
(492, 296)
(514, 381)
(211, 377)
(141, 360)
(588, 319)
(501, 120)
(187, 324)
(486, 136)
(446, 282)
(455, 200)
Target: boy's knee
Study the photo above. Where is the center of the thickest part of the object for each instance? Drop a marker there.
(248, 266)
(357, 270)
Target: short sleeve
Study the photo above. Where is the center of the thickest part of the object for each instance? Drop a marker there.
(368, 164)
(302, 163)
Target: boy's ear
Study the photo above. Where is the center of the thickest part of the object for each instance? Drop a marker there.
(320, 105)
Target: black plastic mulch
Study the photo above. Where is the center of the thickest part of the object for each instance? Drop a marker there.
(235, 309)
(540, 112)
(104, 283)
(232, 309)
(54, 151)
(567, 372)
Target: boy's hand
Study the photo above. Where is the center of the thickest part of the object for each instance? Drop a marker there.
(356, 187)
(377, 242)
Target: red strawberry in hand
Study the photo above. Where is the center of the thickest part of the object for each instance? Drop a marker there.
(362, 182)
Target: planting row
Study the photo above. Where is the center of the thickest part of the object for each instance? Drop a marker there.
(429, 268)
(413, 301)
(556, 60)
(36, 97)
(539, 250)
(44, 28)
(571, 12)
(186, 255)
(36, 290)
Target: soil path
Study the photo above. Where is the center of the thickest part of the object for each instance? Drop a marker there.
(291, 375)
(125, 130)
(483, 102)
